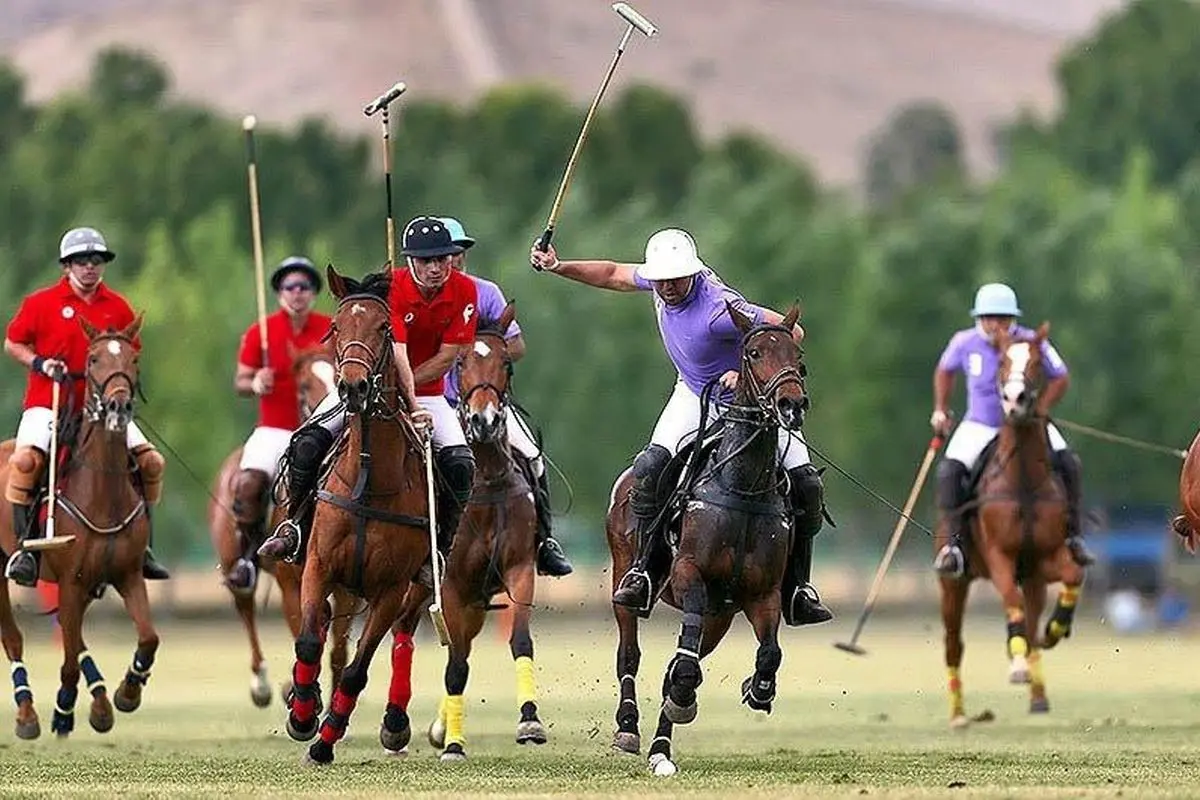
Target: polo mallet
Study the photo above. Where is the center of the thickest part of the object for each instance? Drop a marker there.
(50, 541)
(248, 124)
(636, 22)
(435, 609)
(852, 646)
(382, 103)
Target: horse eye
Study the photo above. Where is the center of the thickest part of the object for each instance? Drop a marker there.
(754, 352)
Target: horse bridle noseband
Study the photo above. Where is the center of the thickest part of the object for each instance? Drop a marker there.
(502, 395)
(93, 408)
(375, 363)
(764, 393)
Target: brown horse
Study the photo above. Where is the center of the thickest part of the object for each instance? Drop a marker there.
(1187, 524)
(1018, 533)
(27, 725)
(495, 548)
(101, 506)
(733, 541)
(314, 371)
(368, 535)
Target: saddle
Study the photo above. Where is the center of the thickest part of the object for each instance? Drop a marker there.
(975, 476)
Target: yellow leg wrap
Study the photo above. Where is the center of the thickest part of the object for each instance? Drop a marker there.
(1017, 646)
(453, 705)
(526, 684)
(956, 692)
(1069, 596)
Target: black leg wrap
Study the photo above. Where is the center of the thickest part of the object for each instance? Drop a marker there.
(308, 648)
(457, 468)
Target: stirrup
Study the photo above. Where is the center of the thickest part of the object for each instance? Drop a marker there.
(288, 532)
(950, 561)
(642, 602)
(16, 558)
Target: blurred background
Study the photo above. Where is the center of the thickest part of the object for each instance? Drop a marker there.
(875, 159)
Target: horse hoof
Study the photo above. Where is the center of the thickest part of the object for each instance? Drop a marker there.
(128, 697)
(453, 753)
(1018, 671)
(1039, 705)
(401, 753)
(756, 703)
(321, 752)
(285, 689)
(101, 718)
(300, 733)
(395, 741)
(531, 732)
(260, 688)
(679, 715)
(662, 766)
(625, 742)
(437, 733)
(960, 722)
(29, 729)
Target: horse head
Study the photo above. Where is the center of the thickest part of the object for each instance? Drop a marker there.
(315, 371)
(1020, 374)
(111, 374)
(483, 380)
(361, 334)
(772, 373)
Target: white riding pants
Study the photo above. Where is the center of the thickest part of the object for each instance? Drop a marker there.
(446, 430)
(970, 438)
(34, 430)
(264, 449)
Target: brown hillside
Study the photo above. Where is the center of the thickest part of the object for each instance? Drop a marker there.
(817, 76)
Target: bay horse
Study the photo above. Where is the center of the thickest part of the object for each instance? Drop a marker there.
(370, 532)
(1187, 524)
(313, 369)
(1017, 534)
(101, 505)
(495, 547)
(734, 534)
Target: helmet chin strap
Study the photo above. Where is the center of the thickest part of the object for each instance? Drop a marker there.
(80, 287)
(413, 270)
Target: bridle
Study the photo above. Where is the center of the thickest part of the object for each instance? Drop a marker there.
(95, 408)
(376, 363)
(764, 394)
(503, 397)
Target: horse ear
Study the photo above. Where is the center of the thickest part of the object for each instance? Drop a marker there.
(507, 316)
(135, 327)
(1043, 332)
(792, 317)
(740, 320)
(337, 284)
(90, 330)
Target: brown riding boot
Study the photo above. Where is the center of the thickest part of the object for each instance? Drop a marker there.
(150, 467)
(250, 510)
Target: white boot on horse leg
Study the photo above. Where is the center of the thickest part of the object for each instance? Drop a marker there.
(260, 687)
(1018, 670)
(662, 766)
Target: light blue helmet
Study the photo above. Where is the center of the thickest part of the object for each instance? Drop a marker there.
(995, 300)
(458, 234)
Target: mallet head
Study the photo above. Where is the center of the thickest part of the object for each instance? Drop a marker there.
(630, 15)
(249, 122)
(385, 99)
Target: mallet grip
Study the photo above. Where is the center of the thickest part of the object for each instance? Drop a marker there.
(543, 242)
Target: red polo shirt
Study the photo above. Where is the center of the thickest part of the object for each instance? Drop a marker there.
(425, 325)
(281, 407)
(48, 321)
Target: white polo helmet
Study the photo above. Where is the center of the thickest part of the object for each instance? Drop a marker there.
(670, 254)
(83, 241)
(995, 300)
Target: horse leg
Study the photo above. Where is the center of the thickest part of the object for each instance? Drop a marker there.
(465, 622)
(520, 585)
(1058, 627)
(713, 631)
(70, 619)
(396, 731)
(303, 699)
(758, 691)
(1035, 602)
(289, 599)
(129, 694)
(683, 672)
(28, 725)
(260, 688)
(354, 677)
(339, 630)
(954, 604)
(1003, 573)
(627, 738)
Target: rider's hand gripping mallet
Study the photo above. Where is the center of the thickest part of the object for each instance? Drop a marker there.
(50, 541)
(638, 22)
(382, 103)
(435, 609)
(852, 646)
(248, 125)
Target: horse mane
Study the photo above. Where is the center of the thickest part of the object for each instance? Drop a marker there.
(491, 326)
(375, 284)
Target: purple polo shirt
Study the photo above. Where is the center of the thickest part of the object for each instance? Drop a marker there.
(490, 305)
(970, 353)
(698, 334)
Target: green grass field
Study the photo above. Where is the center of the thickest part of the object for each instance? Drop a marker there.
(1125, 721)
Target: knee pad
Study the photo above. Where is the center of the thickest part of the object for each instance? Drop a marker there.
(951, 484)
(808, 499)
(457, 467)
(24, 471)
(647, 469)
(308, 448)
